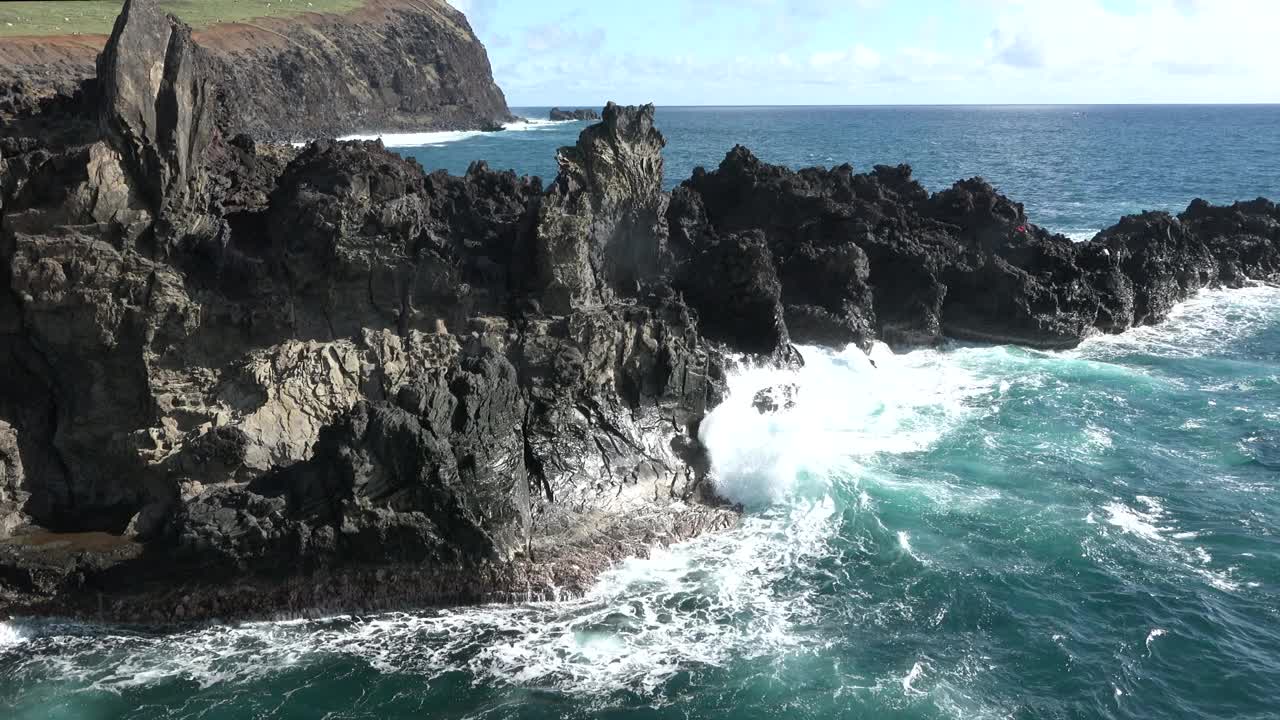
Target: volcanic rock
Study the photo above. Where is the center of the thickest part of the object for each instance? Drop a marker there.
(239, 378)
(559, 115)
(385, 66)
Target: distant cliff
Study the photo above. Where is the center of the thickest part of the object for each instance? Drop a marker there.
(390, 65)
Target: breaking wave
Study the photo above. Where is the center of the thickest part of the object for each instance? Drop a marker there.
(920, 530)
(440, 138)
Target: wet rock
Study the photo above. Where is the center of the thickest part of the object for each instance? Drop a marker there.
(775, 399)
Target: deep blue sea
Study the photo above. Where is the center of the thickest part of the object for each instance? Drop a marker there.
(964, 532)
(1076, 168)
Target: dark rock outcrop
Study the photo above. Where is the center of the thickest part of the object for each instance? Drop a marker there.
(569, 115)
(160, 118)
(252, 365)
(601, 227)
(862, 257)
(388, 65)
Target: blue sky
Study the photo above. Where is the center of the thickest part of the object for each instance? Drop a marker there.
(747, 52)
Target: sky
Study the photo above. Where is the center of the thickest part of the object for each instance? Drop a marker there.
(854, 52)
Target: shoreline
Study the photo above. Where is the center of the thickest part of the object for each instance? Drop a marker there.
(255, 377)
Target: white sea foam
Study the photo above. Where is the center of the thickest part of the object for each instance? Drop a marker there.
(10, 636)
(1080, 235)
(916, 671)
(436, 139)
(849, 407)
(705, 603)
(1204, 323)
(1134, 522)
(1151, 637)
(1154, 526)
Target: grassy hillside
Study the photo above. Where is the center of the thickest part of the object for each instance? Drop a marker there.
(95, 17)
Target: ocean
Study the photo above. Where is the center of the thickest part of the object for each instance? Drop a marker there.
(962, 532)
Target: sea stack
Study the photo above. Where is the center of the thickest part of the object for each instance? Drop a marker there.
(559, 115)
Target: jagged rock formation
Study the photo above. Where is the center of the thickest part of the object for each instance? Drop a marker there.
(390, 65)
(238, 378)
(602, 221)
(874, 256)
(242, 362)
(567, 115)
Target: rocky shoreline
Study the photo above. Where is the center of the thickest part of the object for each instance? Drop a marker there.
(387, 66)
(243, 380)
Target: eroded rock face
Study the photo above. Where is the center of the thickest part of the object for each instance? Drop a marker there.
(601, 226)
(387, 66)
(248, 362)
(156, 103)
(559, 115)
(862, 257)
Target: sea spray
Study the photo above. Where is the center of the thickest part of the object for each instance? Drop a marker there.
(943, 534)
(848, 406)
(444, 137)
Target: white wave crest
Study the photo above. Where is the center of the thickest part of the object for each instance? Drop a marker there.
(848, 408)
(445, 137)
(1155, 527)
(1080, 235)
(10, 636)
(703, 604)
(1201, 325)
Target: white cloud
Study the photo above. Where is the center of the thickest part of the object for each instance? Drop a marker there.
(1157, 51)
(1084, 35)
(865, 57)
(1032, 51)
(858, 57)
(555, 37)
(478, 12)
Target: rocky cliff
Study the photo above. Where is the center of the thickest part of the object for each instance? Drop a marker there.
(389, 65)
(238, 379)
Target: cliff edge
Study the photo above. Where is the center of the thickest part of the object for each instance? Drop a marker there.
(389, 65)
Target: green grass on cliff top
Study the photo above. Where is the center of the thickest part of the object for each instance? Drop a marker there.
(96, 17)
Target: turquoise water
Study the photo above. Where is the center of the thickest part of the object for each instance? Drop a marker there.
(971, 532)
